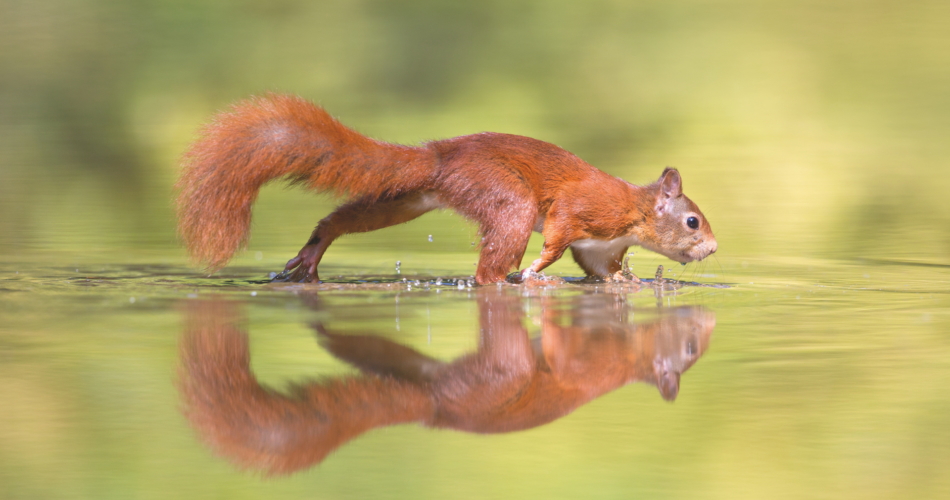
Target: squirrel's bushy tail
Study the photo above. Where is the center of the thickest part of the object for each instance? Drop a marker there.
(279, 136)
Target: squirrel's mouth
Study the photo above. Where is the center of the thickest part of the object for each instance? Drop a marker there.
(699, 252)
(683, 257)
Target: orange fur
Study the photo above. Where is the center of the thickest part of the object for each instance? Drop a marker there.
(261, 429)
(507, 184)
(510, 383)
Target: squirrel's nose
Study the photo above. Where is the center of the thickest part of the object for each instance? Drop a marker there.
(712, 246)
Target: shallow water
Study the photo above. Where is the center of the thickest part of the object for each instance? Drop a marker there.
(819, 379)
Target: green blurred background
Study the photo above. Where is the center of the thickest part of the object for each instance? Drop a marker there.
(812, 128)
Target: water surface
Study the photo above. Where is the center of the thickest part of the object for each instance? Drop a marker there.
(819, 377)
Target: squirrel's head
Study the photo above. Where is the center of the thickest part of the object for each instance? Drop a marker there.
(682, 231)
(682, 336)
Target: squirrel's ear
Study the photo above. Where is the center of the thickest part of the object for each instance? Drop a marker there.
(669, 385)
(667, 380)
(671, 185)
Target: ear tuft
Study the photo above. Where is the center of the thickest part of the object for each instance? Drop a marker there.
(671, 185)
(669, 385)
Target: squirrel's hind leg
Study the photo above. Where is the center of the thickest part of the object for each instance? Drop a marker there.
(374, 354)
(504, 241)
(358, 216)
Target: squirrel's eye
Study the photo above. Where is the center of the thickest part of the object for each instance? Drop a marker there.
(692, 222)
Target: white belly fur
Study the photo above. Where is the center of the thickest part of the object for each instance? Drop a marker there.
(597, 254)
(427, 201)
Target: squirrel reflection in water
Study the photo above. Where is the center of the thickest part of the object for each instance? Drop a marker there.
(510, 383)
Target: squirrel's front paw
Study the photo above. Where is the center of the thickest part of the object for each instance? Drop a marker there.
(530, 278)
(521, 276)
(516, 278)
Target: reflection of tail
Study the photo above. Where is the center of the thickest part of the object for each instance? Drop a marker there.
(256, 427)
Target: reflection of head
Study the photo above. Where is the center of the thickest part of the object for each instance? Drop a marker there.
(609, 348)
(587, 348)
(682, 337)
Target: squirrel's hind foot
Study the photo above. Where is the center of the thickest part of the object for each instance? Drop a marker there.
(302, 268)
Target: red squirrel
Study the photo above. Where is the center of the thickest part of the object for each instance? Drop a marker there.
(508, 184)
(511, 383)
